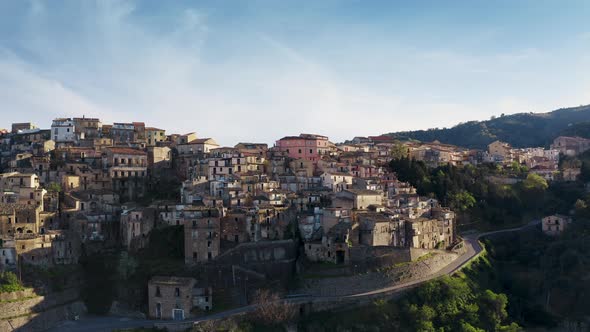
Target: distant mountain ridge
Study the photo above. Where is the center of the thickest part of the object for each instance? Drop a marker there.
(520, 130)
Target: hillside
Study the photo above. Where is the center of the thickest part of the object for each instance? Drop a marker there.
(520, 130)
(581, 129)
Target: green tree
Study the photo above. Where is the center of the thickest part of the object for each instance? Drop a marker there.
(493, 309)
(422, 316)
(9, 282)
(462, 200)
(466, 327)
(535, 182)
(54, 187)
(399, 151)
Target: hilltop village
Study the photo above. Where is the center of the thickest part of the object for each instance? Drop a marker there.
(251, 215)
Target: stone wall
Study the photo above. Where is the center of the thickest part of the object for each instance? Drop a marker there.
(29, 311)
(366, 258)
(20, 307)
(379, 279)
(331, 304)
(11, 296)
(275, 259)
(42, 321)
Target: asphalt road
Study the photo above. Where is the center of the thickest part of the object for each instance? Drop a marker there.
(109, 323)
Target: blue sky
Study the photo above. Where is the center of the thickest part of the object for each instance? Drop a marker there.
(259, 70)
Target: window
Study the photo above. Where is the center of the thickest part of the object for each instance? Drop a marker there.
(299, 151)
(158, 294)
(177, 292)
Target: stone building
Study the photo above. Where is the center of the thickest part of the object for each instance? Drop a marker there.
(358, 199)
(23, 126)
(555, 224)
(379, 229)
(203, 298)
(201, 233)
(571, 146)
(170, 298)
(18, 218)
(500, 151)
(154, 136)
(8, 256)
(197, 146)
(333, 247)
(159, 157)
(234, 227)
(434, 231)
(34, 249)
(65, 249)
(87, 128)
(128, 170)
(136, 225)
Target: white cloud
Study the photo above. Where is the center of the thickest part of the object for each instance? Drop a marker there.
(101, 59)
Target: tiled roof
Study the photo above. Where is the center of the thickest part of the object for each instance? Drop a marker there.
(9, 208)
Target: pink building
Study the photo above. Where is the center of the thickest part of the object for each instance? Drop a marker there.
(304, 146)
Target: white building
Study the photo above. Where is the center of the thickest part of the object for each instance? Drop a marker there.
(337, 181)
(62, 130)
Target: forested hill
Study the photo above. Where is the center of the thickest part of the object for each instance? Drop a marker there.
(520, 130)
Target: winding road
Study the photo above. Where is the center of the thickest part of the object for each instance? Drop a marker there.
(109, 323)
